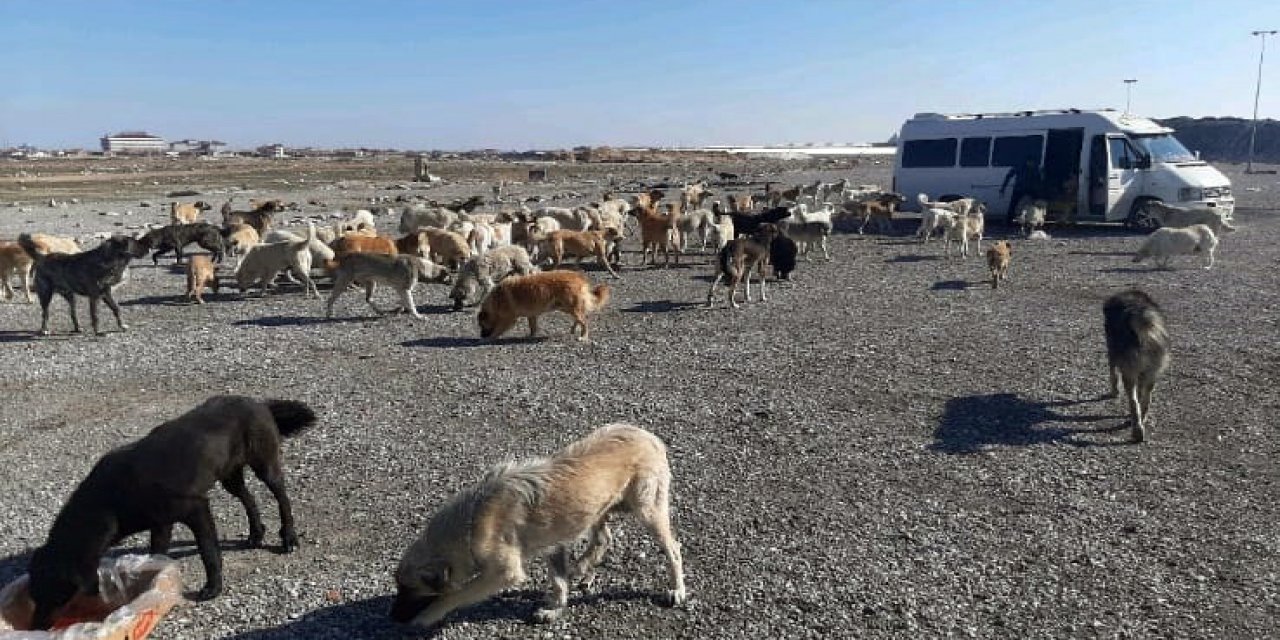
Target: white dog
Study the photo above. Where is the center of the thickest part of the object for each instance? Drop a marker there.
(263, 262)
(1165, 243)
(934, 219)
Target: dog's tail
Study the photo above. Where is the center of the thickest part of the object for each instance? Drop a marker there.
(306, 241)
(28, 245)
(291, 417)
(599, 297)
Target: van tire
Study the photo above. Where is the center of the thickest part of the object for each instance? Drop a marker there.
(1139, 218)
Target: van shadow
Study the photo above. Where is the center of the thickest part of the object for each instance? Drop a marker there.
(660, 306)
(971, 424)
(369, 618)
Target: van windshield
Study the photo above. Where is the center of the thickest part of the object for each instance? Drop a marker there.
(1163, 148)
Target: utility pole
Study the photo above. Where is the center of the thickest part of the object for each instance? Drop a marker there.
(1257, 93)
(1128, 93)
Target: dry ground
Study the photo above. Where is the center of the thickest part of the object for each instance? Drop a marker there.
(886, 448)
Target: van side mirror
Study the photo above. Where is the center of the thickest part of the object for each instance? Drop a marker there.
(1144, 161)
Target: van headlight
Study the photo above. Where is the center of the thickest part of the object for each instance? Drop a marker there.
(1187, 194)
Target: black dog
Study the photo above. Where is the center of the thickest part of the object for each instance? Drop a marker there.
(176, 236)
(782, 254)
(162, 479)
(748, 223)
(91, 273)
(1137, 352)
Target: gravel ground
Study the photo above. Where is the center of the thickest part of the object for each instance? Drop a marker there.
(887, 448)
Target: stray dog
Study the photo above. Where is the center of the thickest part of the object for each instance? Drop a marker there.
(180, 213)
(15, 261)
(537, 293)
(259, 218)
(264, 262)
(201, 272)
(477, 543)
(483, 271)
(1171, 216)
(399, 272)
(722, 231)
(161, 480)
(581, 244)
(963, 228)
(47, 244)
(239, 238)
(446, 247)
(93, 274)
(998, 258)
(1031, 215)
(961, 206)
(1137, 352)
(782, 255)
(176, 236)
(934, 219)
(810, 232)
(737, 260)
(1165, 242)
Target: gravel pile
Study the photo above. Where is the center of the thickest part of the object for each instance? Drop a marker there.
(886, 448)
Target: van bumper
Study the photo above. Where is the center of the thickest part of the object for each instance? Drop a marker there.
(1226, 205)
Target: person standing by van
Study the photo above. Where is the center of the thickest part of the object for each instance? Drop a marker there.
(1027, 183)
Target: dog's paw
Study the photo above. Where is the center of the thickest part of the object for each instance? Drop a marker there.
(289, 541)
(255, 539)
(676, 597)
(547, 615)
(209, 592)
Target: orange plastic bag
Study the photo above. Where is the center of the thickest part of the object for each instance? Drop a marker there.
(135, 592)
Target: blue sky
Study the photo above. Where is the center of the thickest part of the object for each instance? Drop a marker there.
(417, 75)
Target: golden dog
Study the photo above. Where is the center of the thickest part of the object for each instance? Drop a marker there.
(998, 258)
(477, 543)
(537, 293)
(582, 244)
(201, 272)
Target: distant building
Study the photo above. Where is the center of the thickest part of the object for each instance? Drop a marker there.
(198, 147)
(133, 142)
(272, 151)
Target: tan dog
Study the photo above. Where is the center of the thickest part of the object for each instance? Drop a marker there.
(447, 248)
(14, 261)
(535, 294)
(200, 273)
(582, 244)
(998, 258)
(187, 213)
(359, 243)
(399, 272)
(47, 244)
(477, 543)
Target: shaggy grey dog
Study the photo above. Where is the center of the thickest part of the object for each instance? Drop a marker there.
(1137, 352)
(482, 272)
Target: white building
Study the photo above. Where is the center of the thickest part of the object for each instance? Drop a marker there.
(133, 142)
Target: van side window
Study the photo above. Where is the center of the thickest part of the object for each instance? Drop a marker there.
(974, 152)
(1122, 155)
(1014, 151)
(929, 153)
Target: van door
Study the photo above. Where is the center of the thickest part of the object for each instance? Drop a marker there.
(1062, 152)
(1123, 177)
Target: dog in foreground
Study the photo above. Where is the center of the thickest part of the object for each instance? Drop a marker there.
(537, 293)
(162, 479)
(93, 274)
(1137, 352)
(998, 258)
(476, 545)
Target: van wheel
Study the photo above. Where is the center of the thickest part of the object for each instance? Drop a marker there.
(1141, 218)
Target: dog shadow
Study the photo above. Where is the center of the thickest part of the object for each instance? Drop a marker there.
(660, 306)
(971, 424)
(178, 300)
(454, 342)
(911, 258)
(17, 336)
(370, 617)
(950, 285)
(1103, 254)
(1131, 270)
(288, 321)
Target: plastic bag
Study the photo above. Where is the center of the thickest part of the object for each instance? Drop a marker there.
(134, 592)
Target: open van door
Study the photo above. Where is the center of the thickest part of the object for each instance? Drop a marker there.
(1124, 175)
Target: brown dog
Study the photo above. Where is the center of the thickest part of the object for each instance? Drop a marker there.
(201, 273)
(13, 260)
(582, 244)
(535, 294)
(998, 257)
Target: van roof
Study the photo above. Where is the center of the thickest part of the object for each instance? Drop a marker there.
(1047, 118)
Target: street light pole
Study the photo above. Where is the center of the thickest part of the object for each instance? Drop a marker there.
(1257, 93)
(1128, 93)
